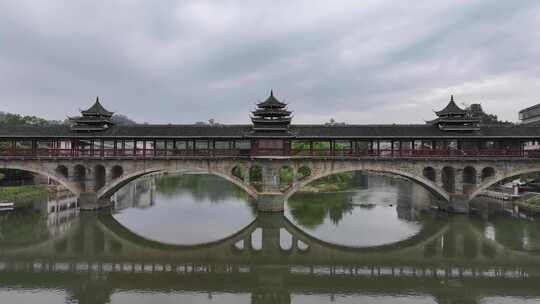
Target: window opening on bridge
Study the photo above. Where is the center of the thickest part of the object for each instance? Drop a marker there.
(117, 171)
(430, 174)
(321, 147)
(201, 145)
(222, 145)
(304, 172)
(243, 144)
(487, 173)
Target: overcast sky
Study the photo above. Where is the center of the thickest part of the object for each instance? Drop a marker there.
(185, 61)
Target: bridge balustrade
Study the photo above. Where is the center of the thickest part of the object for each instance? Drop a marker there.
(149, 153)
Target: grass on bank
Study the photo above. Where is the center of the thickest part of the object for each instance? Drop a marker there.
(534, 200)
(19, 194)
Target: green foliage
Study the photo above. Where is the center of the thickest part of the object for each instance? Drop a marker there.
(255, 174)
(310, 210)
(286, 176)
(9, 119)
(22, 193)
(239, 171)
(304, 172)
(200, 186)
(24, 227)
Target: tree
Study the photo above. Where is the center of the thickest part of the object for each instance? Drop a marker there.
(122, 120)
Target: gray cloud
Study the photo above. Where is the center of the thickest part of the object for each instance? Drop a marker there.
(185, 61)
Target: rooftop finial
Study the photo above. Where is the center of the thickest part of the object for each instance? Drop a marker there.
(272, 93)
(452, 98)
(97, 99)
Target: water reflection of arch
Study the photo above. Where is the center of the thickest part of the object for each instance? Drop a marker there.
(120, 244)
(429, 231)
(116, 228)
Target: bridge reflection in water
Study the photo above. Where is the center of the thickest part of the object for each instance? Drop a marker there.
(451, 260)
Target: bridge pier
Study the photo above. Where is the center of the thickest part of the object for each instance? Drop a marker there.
(271, 202)
(459, 203)
(89, 201)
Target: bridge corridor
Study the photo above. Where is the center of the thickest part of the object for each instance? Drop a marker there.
(455, 155)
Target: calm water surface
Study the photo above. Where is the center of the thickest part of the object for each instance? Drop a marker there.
(199, 239)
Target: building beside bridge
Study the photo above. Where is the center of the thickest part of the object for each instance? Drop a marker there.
(455, 155)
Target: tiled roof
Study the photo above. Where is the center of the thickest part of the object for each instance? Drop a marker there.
(451, 109)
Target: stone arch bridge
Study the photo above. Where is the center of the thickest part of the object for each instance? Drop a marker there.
(454, 180)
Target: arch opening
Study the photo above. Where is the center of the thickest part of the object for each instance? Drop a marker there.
(333, 177)
(303, 172)
(255, 176)
(430, 173)
(79, 176)
(99, 177)
(449, 179)
(62, 171)
(239, 171)
(116, 184)
(286, 175)
(117, 171)
(469, 179)
(487, 172)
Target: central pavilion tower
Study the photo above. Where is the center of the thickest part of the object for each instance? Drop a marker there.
(271, 115)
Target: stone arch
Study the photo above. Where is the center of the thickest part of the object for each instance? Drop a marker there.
(255, 173)
(469, 179)
(488, 172)
(303, 172)
(79, 176)
(448, 178)
(498, 177)
(239, 171)
(414, 177)
(116, 171)
(286, 176)
(62, 171)
(127, 238)
(52, 174)
(118, 183)
(430, 174)
(99, 177)
(469, 175)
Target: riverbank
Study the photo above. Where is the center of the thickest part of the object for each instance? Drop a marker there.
(22, 195)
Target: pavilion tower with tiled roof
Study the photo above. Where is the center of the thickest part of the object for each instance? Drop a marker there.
(271, 115)
(95, 118)
(454, 118)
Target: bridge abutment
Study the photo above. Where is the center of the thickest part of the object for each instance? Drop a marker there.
(459, 203)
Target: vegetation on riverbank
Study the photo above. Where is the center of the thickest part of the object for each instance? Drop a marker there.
(534, 201)
(21, 195)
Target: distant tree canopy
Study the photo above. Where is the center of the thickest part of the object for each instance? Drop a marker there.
(10, 119)
(122, 120)
(475, 110)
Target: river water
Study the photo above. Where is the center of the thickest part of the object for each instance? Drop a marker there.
(199, 239)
